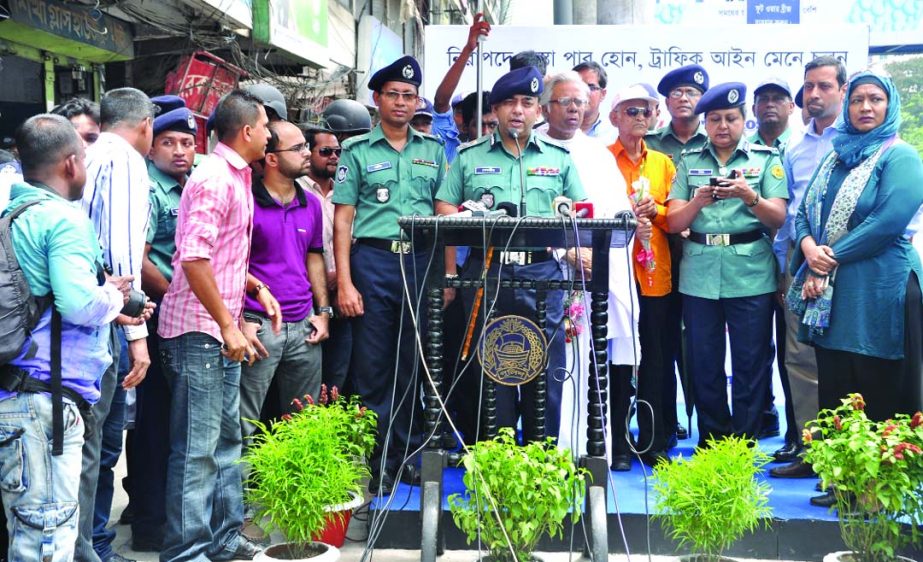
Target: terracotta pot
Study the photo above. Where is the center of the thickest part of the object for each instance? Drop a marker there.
(491, 558)
(847, 556)
(704, 558)
(334, 533)
(315, 552)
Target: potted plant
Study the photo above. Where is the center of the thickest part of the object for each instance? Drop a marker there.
(710, 500)
(876, 471)
(302, 465)
(516, 494)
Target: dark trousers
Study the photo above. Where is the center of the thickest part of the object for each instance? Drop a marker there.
(889, 386)
(454, 323)
(149, 448)
(749, 325)
(337, 351)
(516, 401)
(619, 406)
(385, 361)
(792, 431)
(655, 374)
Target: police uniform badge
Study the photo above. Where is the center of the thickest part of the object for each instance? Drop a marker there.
(533, 86)
(777, 172)
(190, 121)
(699, 78)
(513, 352)
(407, 71)
(342, 172)
(487, 199)
(382, 194)
(733, 96)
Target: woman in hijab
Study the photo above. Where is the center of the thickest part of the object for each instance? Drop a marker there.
(857, 285)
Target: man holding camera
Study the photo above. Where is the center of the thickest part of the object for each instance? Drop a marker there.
(116, 199)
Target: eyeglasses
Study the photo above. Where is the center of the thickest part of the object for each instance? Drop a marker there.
(566, 102)
(300, 147)
(594, 87)
(690, 93)
(409, 97)
(635, 111)
(328, 150)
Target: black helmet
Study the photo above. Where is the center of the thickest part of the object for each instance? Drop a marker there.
(346, 116)
(271, 98)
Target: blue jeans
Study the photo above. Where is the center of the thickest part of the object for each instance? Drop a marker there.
(39, 490)
(204, 496)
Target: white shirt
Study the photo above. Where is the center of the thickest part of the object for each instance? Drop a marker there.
(117, 199)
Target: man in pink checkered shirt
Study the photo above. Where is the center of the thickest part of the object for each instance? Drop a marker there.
(202, 343)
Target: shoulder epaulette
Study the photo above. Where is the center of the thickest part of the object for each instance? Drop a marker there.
(475, 142)
(436, 138)
(764, 148)
(356, 139)
(695, 150)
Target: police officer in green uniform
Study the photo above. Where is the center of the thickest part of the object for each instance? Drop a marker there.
(169, 163)
(681, 89)
(488, 170)
(729, 193)
(384, 174)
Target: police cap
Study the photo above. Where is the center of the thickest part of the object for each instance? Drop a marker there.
(179, 119)
(690, 75)
(525, 81)
(722, 96)
(405, 69)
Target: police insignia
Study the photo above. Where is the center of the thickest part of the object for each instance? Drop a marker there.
(423, 162)
(777, 172)
(382, 194)
(190, 120)
(733, 96)
(342, 172)
(533, 86)
(514, 350)
(407, 72)
(174, 212)
(377, 167)
(487, 198)
(699, 78)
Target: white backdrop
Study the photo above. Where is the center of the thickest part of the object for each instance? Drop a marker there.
(630, 54)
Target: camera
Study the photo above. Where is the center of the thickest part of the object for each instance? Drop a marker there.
(135, 305)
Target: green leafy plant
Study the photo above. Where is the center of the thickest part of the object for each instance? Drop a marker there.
(876, 470)
(515, 494)
(312, 459)
(710, 500)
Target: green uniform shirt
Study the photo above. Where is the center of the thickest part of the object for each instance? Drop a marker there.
(779, 144)
(663, 140)
(740, 270)
(384, 184)
(161, 229)
(485, 171)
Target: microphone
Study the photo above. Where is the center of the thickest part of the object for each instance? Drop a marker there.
(562, 206)
(522, 174)
(584, 209)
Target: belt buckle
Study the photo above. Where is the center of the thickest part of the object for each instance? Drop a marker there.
(400, 246)
(717, 239)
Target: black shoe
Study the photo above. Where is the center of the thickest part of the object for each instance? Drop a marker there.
(826, 500)
(788, 453)
(653, 458)
(621, 463)
(448, 442)
(454, 458)
(140, 543)
(119, 558)
(681, 432)
(797, 469)
(246, 550)
(768, 431)
(769, 424)
(671, 441)
(381, 485)
(820, 486)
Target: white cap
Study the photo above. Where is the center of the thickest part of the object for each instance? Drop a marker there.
(634, 92)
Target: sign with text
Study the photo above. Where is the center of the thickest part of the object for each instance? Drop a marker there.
(76, 22)
(773, 11)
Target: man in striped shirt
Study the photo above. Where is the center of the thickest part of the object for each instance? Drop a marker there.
(116, 197)
(202, 344)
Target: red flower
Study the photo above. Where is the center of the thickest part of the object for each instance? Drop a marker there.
(335, 393)
(287, 417)
(308, 399)
(889, 429)
(806, 436)
(858, 403)
(837, 423)
(297, 403)
(917, 420)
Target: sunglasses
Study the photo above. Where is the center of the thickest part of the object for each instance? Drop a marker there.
(635, 111)
(328, 150)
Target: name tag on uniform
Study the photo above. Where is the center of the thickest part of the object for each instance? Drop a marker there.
(422, 162)
(700, 172)
(543, 171)
(174, 212)
(751, 172)
(378, 167)
(486, 170)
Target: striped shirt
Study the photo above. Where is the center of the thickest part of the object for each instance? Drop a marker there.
(117, 199)
(215, 222)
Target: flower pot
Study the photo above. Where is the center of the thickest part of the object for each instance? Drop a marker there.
(704, 558)
(338, 521)
(492, 558)
(315, 552)
(847, 556)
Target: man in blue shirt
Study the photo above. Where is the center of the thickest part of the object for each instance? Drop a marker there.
(59, 254)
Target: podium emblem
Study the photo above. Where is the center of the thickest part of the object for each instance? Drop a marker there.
(514, 350)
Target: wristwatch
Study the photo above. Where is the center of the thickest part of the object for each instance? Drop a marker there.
(327, 309)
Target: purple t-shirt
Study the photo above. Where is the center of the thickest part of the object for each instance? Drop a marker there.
(282, 238)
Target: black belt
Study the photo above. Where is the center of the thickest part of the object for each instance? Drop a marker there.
(726, 239)
(393, 246)
(14, 379)
(525, 257)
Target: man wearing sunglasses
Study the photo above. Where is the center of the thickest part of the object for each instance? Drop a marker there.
(390, 172)
(682, 88)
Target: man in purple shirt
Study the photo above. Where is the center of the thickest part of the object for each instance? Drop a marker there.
(287, 252)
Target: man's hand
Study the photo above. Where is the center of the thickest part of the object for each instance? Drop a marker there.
(645, 208)
(272, 308)
(703, 196)
(586, 260)
(123, 284)
(644, 230)
(236, 347)
(140, 361)
(249, 330)
(321, 323)
(350, 300)
(479, 28)
(448, 295)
